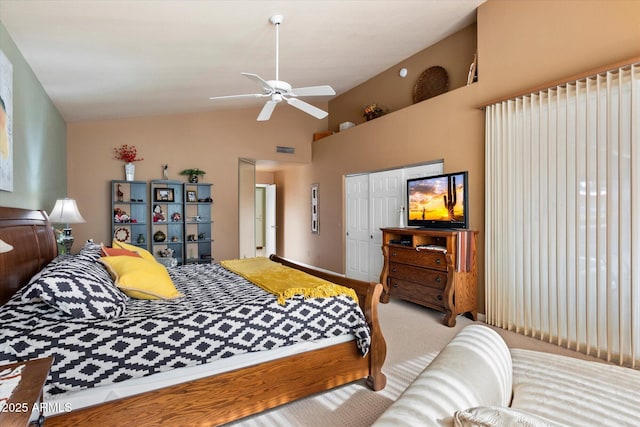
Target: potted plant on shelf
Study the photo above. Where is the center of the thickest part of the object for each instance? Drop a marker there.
(128, 154)
(373, 111)
(194, 174)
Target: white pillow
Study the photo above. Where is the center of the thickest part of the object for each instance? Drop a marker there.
(499, 416)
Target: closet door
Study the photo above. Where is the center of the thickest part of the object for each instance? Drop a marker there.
(372, 202)
(385, 199)
(357, 224)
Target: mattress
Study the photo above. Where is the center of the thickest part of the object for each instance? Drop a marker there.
(221, 316)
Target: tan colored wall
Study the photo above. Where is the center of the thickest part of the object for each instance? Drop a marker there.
(212, 141)
(521, 44)
(454, 54)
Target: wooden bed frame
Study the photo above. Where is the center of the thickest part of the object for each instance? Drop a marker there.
(211, 400)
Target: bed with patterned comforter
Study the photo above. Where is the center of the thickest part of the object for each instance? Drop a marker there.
(220, 315)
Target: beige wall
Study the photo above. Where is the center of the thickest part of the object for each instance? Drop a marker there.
(212, 141)
(388, 89)
(521, 44)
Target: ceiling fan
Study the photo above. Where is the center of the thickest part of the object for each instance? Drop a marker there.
(277, 90)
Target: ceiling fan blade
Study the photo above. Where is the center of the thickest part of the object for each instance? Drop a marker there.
(266, 111)
(247, 95)
(313, 91)
(256, 78)
(307, 108)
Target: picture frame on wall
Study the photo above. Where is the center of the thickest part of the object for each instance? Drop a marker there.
(6, 123)
(192, 196)
(315, 217)
(164, 195)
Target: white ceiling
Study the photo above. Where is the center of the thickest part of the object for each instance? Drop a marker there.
(100, 59)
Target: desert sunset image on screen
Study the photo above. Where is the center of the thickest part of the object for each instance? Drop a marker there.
(437, 199)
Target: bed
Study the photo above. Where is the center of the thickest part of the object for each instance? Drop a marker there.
(210, 399)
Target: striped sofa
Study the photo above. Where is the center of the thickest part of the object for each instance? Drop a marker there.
(476, 380)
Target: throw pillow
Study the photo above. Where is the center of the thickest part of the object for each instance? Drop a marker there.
(498, 416)
(91, 251)
(140, 251)
(77, 286)
(118, 252)
(141, 278)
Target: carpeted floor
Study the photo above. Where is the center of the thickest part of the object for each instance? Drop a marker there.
(414, 336)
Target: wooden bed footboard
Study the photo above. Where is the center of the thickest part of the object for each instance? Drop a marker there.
(211, 400)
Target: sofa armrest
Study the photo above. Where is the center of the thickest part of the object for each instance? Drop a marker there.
(474, 369)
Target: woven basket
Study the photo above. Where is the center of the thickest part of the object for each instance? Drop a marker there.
(433, 81)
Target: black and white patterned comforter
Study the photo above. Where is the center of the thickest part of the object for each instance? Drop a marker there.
(220, 315)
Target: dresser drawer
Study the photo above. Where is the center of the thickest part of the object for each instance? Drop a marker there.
(417, 293)
(432, 278)
(429, 259)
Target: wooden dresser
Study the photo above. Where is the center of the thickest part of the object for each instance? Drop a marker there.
(433, 268)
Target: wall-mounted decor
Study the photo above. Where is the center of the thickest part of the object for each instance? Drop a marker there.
(6, 123)
(315, 221)
(433, 81)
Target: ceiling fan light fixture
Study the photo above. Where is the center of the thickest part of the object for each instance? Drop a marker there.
(278, 90)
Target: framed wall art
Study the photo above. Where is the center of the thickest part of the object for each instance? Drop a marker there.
(6, 123)
(164, 195)
(315, 219)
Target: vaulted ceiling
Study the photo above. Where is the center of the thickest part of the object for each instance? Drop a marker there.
(122, 58)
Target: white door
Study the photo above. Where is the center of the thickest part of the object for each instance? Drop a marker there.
(385, 198)
(357, 225)
(373, 201)
(270, 220)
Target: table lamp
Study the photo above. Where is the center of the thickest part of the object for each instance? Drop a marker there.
(65, 211)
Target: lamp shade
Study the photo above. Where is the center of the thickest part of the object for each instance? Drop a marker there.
(5, 247)
(65, 211)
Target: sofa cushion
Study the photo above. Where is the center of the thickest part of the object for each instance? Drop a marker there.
(499, 416)
(575, 392)
(474, 369)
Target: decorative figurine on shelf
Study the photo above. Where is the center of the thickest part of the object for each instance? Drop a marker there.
(175, 217)
(159, 236)
(120, 216)
(141, 239)
(158, 215)
(166, 253)
(120, 194)
(165, 171)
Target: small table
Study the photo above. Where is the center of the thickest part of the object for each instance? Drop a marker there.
(28, 392)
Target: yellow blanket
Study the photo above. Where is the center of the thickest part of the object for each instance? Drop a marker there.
(285, 282)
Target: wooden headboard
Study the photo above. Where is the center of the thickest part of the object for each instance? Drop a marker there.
(34, 245)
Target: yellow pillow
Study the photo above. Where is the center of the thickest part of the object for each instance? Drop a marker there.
(140, 251)
(141, 278)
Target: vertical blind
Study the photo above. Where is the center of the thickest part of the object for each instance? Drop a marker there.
(563, 215)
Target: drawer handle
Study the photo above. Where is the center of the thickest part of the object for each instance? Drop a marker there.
(395, 285)
(438, 261)
(393, 254)
(439, 297)
(393, 270)
(438, 279)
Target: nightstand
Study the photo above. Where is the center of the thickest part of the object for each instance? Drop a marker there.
(28, 393)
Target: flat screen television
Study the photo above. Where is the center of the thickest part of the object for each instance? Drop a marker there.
(438, 201)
